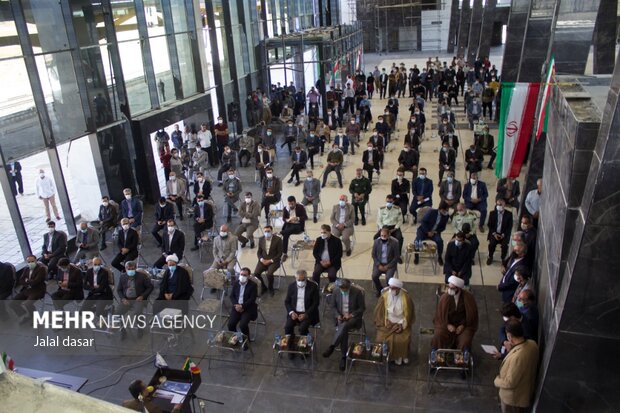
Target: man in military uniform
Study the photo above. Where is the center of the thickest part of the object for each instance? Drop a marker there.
(360, 189)
(391, 216)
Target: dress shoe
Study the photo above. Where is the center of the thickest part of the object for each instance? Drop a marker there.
(297, 183)
(329, 351)
(194, 248)
(343, 364)
(416, 258)
(243, 244)
(348, 253)
(289, 181)
(357, 221)
(315, 220)
(363, 221)
(284, 257)
(323, 186)
(341, 186)
(252, 245)
(489, 260)
(440, 260)
(481, 229)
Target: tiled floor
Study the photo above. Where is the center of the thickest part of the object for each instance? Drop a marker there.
(111, 370)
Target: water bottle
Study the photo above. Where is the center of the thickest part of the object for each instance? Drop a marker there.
(310, 340)
(367, 344)
(384, 349)
(466, 357)
(433, 356)
(228, 276)
(306, 238)
(277, 340)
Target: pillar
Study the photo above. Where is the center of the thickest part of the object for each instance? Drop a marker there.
(486, 36)
(474, 31)
(604, 41)
(454, 26)
(463, 29)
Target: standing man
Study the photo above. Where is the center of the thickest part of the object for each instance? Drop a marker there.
(14, 169)
(500, 226)
(46, 191)
(342, 222)
(221, 136)
(383, 79)
(360, 189)
(205, 139)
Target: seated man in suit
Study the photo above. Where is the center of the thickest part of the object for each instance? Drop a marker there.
(202, 186)
(271, 187)
(312, 193)
(249, 211)
(133, 290)
(342, 222)
(54, 248)
(450, 190)
(269, 255)
(87, 242)
(263, 160)
(97, 283)
(447, 160)
(335, 158)
(327, 253)
(203, 219)
(143, 399)
(232, 188)
(500, 227)
(342, 142)
(175, 289)
(131, 208)
(225, 250)
(456, 317)
(294, 217)
(385, 255)
(228, 160)
(299, 158)
(128, 240)
(243, 299)
(164, 211)
(475, 195)
(431, 227)
(400, 191)
(370, 160)
(176, 189)
(458, 258)
(422, 193)
(33, 287)
(108, 218)
(70, 284)
(391, 217)
(473, 159)
(173, 243)
(348, 306)
(302, 305)
(409, 159)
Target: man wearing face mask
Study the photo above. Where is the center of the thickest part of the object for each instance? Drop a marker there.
(352, 131)
(327, 253)
(400, 191)
(507, 284)
(87, 242)
(173, 243)
(177, 192)
(243, 299)
(299, 160)
(269, 255)
(290, 136)
(500, 226)
(456, 318)
(294, 216)
(271, 187)
(432, 225)
(221, 135)
(391, 217)
(128, 240)
(70, 284)
(370, 160)
(262, 159)
(385, 255)
(334, 163)
(313, 144)
(393, 316)
(473, 159)
(526, 303)
(529, 233)
(54, 248)
(175, 289)
(475, 195)
(228, 160)
(458, 258)
(133, 291)
(203, 219)
(422, 194)
(131, 208)
(408, 160)
(360, 189)
(302, 305)
(348, 306)
(450, 190)
(342, 222)
(46, 191)
(224, 250)
(312, 192)
(108, 217)
(447, 161)
(232, 188)
(249, 211)
(462, 217)
(33, 287)
(164, 211)
(205, 139)
(97, 283)
(341, 141)
(202, 186)
(246, 147)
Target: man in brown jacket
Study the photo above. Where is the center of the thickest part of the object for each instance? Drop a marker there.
(270, 249)
(33, 289)
(517, 375)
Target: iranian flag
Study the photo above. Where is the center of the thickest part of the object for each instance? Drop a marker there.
(544, 105)
(335, 75)
(516, 121)
(358, 63)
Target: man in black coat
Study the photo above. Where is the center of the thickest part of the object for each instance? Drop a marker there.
(458, 258)
(203, 219)
(14, 170)
(175, 289)
(243, 299)
(97, 283)
(70, 284)
(128, 240)
(54, 248)
(508, 285)
(327, 254)
(500, 226)
(164, 211)
(302, 304)
(173, 243)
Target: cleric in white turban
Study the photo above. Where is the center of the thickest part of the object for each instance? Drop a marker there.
(394, 316)
(175, 288)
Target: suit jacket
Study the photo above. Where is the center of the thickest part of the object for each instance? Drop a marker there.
(264, 157)
(165, 213)
(312, 188)
(349, 215)
(103, 289)
(249, 298)
(276, 249)
(236, 190)
(184, 288)
(17, 167)
(507, 285)
(401, 189)
(205, 188)
(393, 252)
(311, 300)
(476, 155)
(422, 187)
(458, 259)
(342, 143)
(428, 221)
(143, 285)
(375, 157)
(456, 190)
(409, 159)
(92, 238)
(506, 226)
(276, 186)
(75, 281)
(34, 284)
(7, 280)
(208, 213)
(483, 194)
(225, 249)
(250, 211)
(108, 215)
(516, 380)
(59, 244)
(300, 212)
(357, 304)
(447, 158)
(136, 209)
(130, 241)
(334, 248)
(303, 158)
(176, 245)
(181, 188)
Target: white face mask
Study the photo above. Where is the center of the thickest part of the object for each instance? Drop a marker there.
(42, 175)
(223, 234)
(400, 178)
(173, 178)
(324, 236)
(394, 292)
(451, 291)
(499, 208)
(461, 213)
(51, 230)
(472, 181)
(105, 203)
(505, 318)
(516, 278)
(301, 284)
(170, 229)
(128, 197)
(267, 235)
(524, 227)
(243, 279)
(248, 200)
(126, 227)
(231, 176)
(269, 175)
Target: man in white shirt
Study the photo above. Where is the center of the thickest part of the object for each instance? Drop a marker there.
(205, 138)
(532, 201)
(46, 191)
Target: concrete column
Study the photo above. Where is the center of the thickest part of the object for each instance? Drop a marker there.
(486, 35)
(604, 41)
(454, 25)
(517, 25)
(463, 29)
(474, 31)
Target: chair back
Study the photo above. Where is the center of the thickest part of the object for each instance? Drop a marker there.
(213, 279)
(111, 280)
(144, 272)
(259, 285)
(189, 270)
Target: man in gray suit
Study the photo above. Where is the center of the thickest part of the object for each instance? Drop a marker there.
(270, 250)
(224, 250)
(87, 243)
(450, 190)
(249, 211)
(342, 222)
(312, 192)
(348, 308)
(385, 254)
